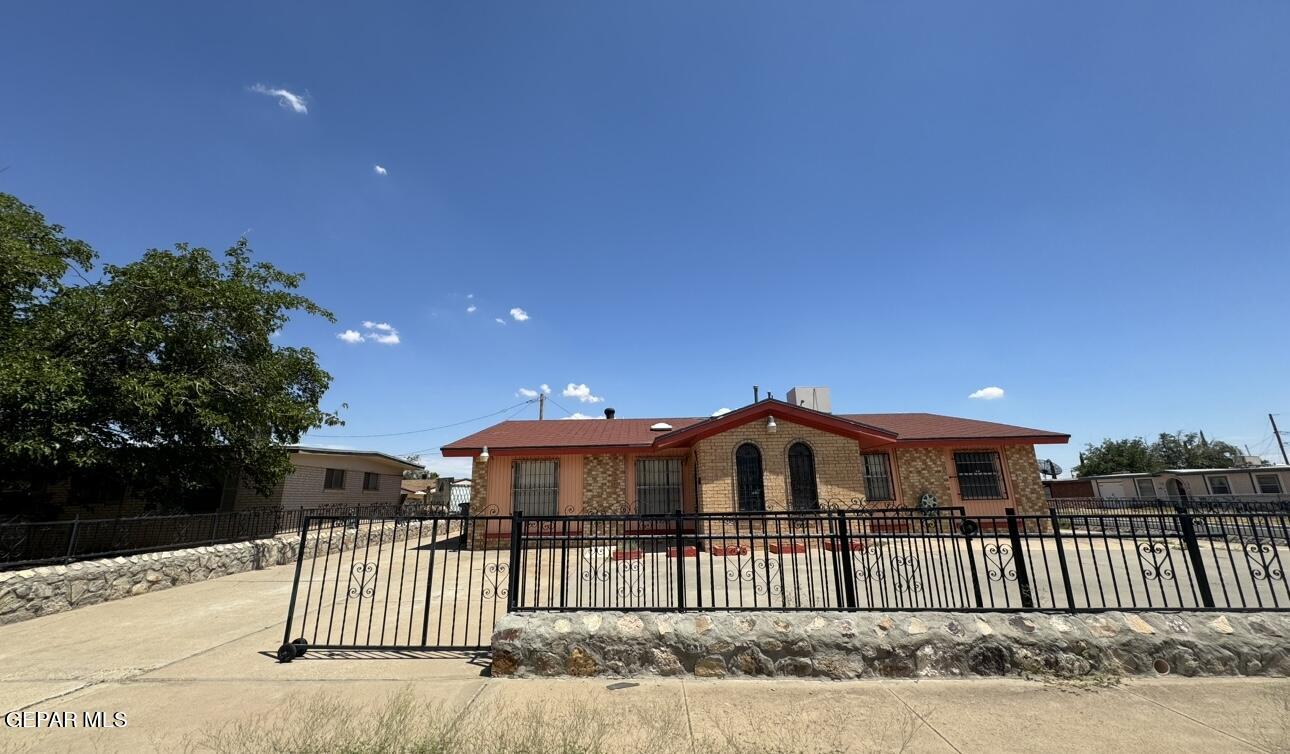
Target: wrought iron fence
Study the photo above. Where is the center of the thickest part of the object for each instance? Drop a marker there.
(440, 582)
(24, 544)
(424, 582)
(898, 560)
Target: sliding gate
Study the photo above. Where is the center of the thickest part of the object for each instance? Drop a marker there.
(424, 583)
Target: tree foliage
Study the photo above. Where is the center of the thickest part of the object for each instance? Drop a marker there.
(1179, 450)
(162, 375)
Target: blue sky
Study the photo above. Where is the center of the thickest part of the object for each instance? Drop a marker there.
(1085, 204)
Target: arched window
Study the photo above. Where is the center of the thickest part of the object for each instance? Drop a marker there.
(801, 477)
(748, 478)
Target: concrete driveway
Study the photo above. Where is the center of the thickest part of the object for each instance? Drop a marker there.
(180, 662)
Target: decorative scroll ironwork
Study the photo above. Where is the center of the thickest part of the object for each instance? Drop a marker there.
(630, 581)
(594, 560)
(999, 565)
(762, 573)
(1263, 561)
(495, 581)
(905, 570)
(362, 579)
(869, 566)
(1155, 561)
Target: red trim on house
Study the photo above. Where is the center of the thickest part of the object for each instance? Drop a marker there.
(787, 411)
(944, 442)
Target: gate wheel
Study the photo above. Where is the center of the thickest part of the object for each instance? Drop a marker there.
(301, 646)
(286, 653)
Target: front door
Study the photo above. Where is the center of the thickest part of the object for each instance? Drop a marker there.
(801, 477)
(748, 478)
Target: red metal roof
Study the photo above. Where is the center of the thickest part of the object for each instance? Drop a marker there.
(608, 434)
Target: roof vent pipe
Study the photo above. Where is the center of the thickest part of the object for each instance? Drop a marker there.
(756, 393)
(609, 413)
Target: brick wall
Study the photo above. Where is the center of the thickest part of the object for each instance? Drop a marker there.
(837, 465)
(922, 470)
(1023, 476)
(604, 484)
(478, 486)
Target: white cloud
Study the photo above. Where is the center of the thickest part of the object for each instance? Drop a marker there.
(582, 393)
(380, 170)
(988, 393)
(576, 415)
(499, 320)
(377, 332)
(470, 295)
(546, 388)
(720, 411)
(288, 100)
(527, 392)
(519, 315)
(471, 309)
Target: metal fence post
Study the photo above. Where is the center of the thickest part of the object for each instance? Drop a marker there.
(968, 528)
(214, 526)
(71, 539)
(848, 573)
(286, 652)
(513, 570)
(680, 561)
(1061, 560)
(1193, 553)
(1019, 558)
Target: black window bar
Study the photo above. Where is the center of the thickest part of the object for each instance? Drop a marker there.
(877, 477)
(535, 487)
(658, 486)
(980, 476)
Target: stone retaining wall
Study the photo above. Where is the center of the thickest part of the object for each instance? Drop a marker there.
(893, 645)
(43, 590)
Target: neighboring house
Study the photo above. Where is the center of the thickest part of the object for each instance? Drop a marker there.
(769, 455)
(442, 493)
(325, 477)
(1271, 482)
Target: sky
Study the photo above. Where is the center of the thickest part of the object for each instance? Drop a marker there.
(1077, 212)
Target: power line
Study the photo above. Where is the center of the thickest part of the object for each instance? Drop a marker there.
(434, 447)
(520, 405)
(562, 408)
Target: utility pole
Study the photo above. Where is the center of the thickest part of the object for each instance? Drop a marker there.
(1280, 442)
(541, 406)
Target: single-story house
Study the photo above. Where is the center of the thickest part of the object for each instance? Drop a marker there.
(324, 477)
(769, 455)
(1255, 482)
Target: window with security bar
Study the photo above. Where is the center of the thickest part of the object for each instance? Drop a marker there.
(535, 487)
(658, 486)
(877, 477)
(980, 475)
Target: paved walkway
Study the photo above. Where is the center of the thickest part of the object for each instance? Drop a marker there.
(181, 661)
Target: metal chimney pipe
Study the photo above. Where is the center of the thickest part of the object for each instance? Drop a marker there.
(609, 413)
(756, 393)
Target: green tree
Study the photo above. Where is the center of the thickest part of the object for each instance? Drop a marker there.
(1117, 456)
(1180, 450)
(1188, 451)
(162, 375)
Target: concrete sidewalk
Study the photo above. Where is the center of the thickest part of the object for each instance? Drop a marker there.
(181, 661)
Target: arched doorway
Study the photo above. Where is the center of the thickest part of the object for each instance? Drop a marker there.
(748, 478)
(801, 477)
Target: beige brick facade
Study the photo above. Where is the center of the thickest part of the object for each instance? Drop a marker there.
(922, 470)
(604, 484)
(837, 465)
(478, 486)
(1023, 476)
